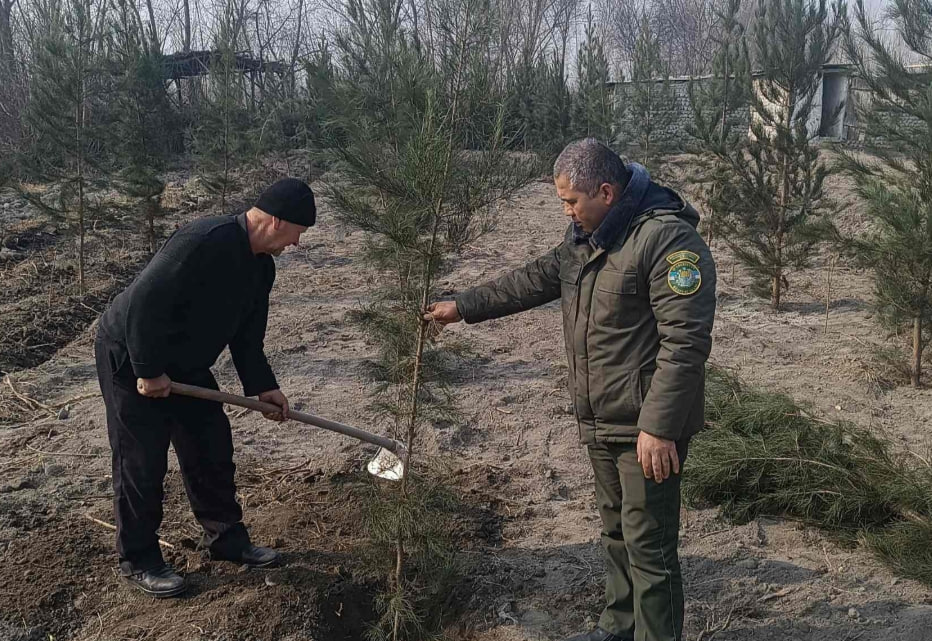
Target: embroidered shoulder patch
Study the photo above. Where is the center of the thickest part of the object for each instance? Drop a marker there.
(684, 276)
(684, 254)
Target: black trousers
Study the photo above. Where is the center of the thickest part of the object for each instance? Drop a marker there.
(140, 430)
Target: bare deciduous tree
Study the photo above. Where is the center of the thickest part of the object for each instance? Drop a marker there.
(623, 21)
(6, 35)
(685, 29)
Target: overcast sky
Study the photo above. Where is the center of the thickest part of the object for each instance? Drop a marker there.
(321, 15)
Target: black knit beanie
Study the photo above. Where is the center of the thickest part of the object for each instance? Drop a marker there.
(289, 199)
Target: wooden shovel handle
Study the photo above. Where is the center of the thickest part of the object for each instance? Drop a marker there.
(268, 408)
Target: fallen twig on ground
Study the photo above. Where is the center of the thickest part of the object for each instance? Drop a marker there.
(31, 402)
(81, 454)
(113, 527)
(76, 399)
(712, 628)
(777, 595)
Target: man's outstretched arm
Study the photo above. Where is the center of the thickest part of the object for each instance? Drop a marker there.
(527, 287)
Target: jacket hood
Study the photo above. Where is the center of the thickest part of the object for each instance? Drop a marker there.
(664, 199)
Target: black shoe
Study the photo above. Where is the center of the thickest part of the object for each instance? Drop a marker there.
(596, 635)
(251, 555)
(160, 582)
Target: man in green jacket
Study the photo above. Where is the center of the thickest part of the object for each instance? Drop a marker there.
(637, 285)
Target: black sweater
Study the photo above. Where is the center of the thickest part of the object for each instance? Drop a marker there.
(202, 291)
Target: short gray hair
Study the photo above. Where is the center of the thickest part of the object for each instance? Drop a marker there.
(587, 164)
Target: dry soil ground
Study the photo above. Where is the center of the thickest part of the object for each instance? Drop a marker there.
(529, 529)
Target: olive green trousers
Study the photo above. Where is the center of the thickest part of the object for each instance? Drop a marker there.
(640, 535)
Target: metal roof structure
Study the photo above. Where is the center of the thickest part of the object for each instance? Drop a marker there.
(187, 64)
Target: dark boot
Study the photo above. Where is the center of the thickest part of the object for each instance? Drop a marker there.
(596, 635)
(251, 555)
(160, 582)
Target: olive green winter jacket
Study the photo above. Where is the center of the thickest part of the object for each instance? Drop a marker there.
(637, 319)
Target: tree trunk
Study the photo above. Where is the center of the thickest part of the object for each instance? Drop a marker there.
(296, 50)
(916, 371)
(6, 38)
(227, 107)
(186, 44)
(153, 30)
(776, 289)
(423, 325)
(80, 121)
(784, 198)
(150, 215)
(647, 124)
(828, 293)
(81, 289)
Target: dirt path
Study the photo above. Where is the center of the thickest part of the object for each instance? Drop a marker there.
(534, 562)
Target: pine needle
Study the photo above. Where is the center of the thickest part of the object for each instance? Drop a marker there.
(764, 454)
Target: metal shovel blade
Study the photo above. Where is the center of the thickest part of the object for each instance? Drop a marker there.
(386, 465)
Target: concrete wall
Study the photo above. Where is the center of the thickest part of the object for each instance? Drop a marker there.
(837, 95)
(677, 115)
(857, 133)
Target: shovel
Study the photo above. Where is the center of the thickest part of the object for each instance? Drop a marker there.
(388, 464)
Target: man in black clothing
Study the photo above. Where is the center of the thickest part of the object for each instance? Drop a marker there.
(206, 289)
